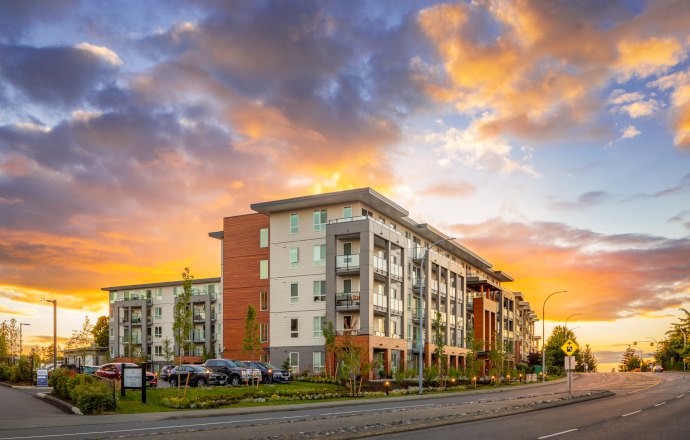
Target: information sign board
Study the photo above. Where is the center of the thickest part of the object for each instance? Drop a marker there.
(132, 377)
(42, 378)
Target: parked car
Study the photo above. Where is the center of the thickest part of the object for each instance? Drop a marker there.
(164, 373)
(658, 369)
(236, 371)
(90, 369)
(267, 370)
(112, 372)
(196, 376)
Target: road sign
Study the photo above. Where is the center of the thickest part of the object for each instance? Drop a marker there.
(570, 347)
(570, 362)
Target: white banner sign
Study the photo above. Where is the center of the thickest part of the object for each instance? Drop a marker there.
(570, 362)
(132, 378)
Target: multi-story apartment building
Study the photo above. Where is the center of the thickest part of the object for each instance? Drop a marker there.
(354, 258)
(142, 316)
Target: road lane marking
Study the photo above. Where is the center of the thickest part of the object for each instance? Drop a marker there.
(659, 404)
(626, 415)
(558, 433)
(680, 396)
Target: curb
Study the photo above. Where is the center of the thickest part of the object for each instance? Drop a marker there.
(403, 429)
(21, 387)
(74, 409)
(337, 404)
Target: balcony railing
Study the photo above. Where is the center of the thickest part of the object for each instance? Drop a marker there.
(396, 270)
(149, 339)
(415, 344)
(136, 319)
(396, 305)
(347, 262)
(452, 292)
(350, 299)
(396, 336)
(416, 283)
(363, 217)
(199, 316)
(418, 313)
(199, 336)
(442, 288)
(434, 286)
(124, 320)
(213, 317)
(378, 333)
(380, 264)
(343, 333)
(134, 339)
(452, 320)
(380, 301)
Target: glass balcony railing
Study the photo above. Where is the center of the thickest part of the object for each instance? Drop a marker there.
(213, 316)
(350, 299)
(380, 301)
(434, 286)
(124, 320)
(452, 292)
(363, 217)
(416, 283)
(199, 336)
(347, 262)
(396, 336)
(396, 270)
(136, 319)
(380, 264)
(442, 289)
(452, 320)
(415, 344)
(396, 305)
(418, 313)
(379, 333)
(199, 316)
(134, 339)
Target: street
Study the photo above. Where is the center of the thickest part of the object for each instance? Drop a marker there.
(608, 417)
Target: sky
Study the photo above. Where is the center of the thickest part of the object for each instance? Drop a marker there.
(551, 137)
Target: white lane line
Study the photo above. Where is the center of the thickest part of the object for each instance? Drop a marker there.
(626, 415)
(558, 433)
(659, 404)
(680, 396)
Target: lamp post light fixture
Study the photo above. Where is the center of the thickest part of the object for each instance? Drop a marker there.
(475, 381)
(54, 301)
(21, 338)
(387, 384)
(566, 323)
(520, 380)
(543, 334)
(421, 316)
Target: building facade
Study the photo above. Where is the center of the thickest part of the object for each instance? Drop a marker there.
(141, 316)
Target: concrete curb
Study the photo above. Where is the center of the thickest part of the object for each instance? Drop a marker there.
(353, 402)
(19, 387)
(74, 409)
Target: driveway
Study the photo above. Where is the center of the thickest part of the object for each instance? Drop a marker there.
(23, 404)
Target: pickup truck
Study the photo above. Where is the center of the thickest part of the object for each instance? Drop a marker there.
(236, 371)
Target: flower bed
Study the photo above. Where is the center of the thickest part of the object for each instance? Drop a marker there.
(213, 401)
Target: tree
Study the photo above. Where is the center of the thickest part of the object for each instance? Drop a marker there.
(251, 344)
(330, 335)
(81, 340)
(440, 347)
(350, 352)
(585, 357)
(534, 358)
(472, 361)
(182, 319)
(10, 337)
(101, 332)
(497, 357)
(630, 361)
(168, 351)
(554, 355)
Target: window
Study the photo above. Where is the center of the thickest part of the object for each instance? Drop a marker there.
(294, 362)
(294, 223)
(112, 334)
(409, 302)
(320, 220)
(263, 237)
(347, 248)
(158, 332)
(294, 258)
(319, 291)
(347, 321)
(158, 350)
(113, 297)
(382, 220)
(409, 332)
(319, 323)
(112, 352)
(176, 291)
(319, 358)
(347, 212)
(128, 295)
(294, 293)
(158, 312)
(264, 300)
(347, 286)
(159, 294)
(263, 358)
(367, 213)
(112, 315)
(263, 332)
(294, 328)
(263, 269)
(319, 255)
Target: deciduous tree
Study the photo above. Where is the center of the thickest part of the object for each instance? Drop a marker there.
(251, 344)
(182, 319)
(101, 332)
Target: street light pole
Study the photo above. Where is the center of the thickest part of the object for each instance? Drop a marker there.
(421, 316)
(566, 323)
(543, 336)
(54, 301)
(21, 345)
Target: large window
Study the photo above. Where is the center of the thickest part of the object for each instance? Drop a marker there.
(319, 291)
(294, 293)
(158, 332)
(319, 322)
(319, 255)
(294, 328)
(347, 212)
(158, 312)
(158, 294)
(263, 332)
(177, 291)
(263, 238)
(294, 362)
(294, 258)
(409, 332)
(112, 334)
(319, 358)
(294, 223)
(264, 301)
(158, 350)
(263, 269)
(113, 297)
(320, 220)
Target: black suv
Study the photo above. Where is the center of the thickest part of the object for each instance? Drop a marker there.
(235, 371)
(267, 370)
(199, 376)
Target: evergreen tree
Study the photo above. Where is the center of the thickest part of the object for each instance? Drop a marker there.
(584, 356)
(630, 360)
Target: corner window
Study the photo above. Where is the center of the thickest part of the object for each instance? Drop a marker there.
(319, 255)
(320, 220)
(263, 238)
(319, 291)
(319, 322)
(263, 269)
(367, 213)
(294, 328)
(294, 293)
(294, 223)
(263, 332)
(294, 258)
(264, 301)
(347, 212)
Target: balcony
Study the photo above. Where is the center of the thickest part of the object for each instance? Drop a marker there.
(136, 319)
(395, 336)
(396, 270)
(396, 306)
(199, 336)
(380, 265)
(452, 292)
(434, 286)
(416, 283)
(416, 344)
(380, 302)
(199, 317)
(345, 333)
(124, 320)
(378, 333)
(134, 339)
(363, 217)
(347, 300)
(418, 314)
(347, 263)
(452, 320)
(149, 338)
(443, 289)
(213, 317)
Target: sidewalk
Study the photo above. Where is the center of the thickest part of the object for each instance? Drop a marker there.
(193, 414)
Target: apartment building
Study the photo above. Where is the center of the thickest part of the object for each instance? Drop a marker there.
(142, 316)
(354, 258)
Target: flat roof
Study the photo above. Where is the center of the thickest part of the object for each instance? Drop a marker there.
(163, 284)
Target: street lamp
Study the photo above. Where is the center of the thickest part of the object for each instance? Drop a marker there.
(421, 316)
(543, 332)
(54, 301)
(566, 323)
(20, 338)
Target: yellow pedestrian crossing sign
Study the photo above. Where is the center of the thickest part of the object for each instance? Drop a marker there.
(570, 347)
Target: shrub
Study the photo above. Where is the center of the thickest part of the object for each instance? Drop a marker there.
(304, 373)
(21, 372)
(430, 374)
(58, 380)
(5, 371)
(93, 397)
(76, 381)
(399, 376)
(522, 368)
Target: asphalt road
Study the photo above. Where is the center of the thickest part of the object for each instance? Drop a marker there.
(635, 391)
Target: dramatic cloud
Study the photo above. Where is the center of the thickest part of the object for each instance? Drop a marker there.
(583, 201)
(679, 85)
(451, 189)
(4, 310)
(609, 276)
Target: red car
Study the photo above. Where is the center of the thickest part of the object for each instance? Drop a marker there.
(112, 372)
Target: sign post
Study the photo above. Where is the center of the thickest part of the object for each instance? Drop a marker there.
(570, 347)
(134, 378)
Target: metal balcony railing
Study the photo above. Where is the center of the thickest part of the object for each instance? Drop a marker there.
(418, 313)
(347, 262)
(350, 299)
